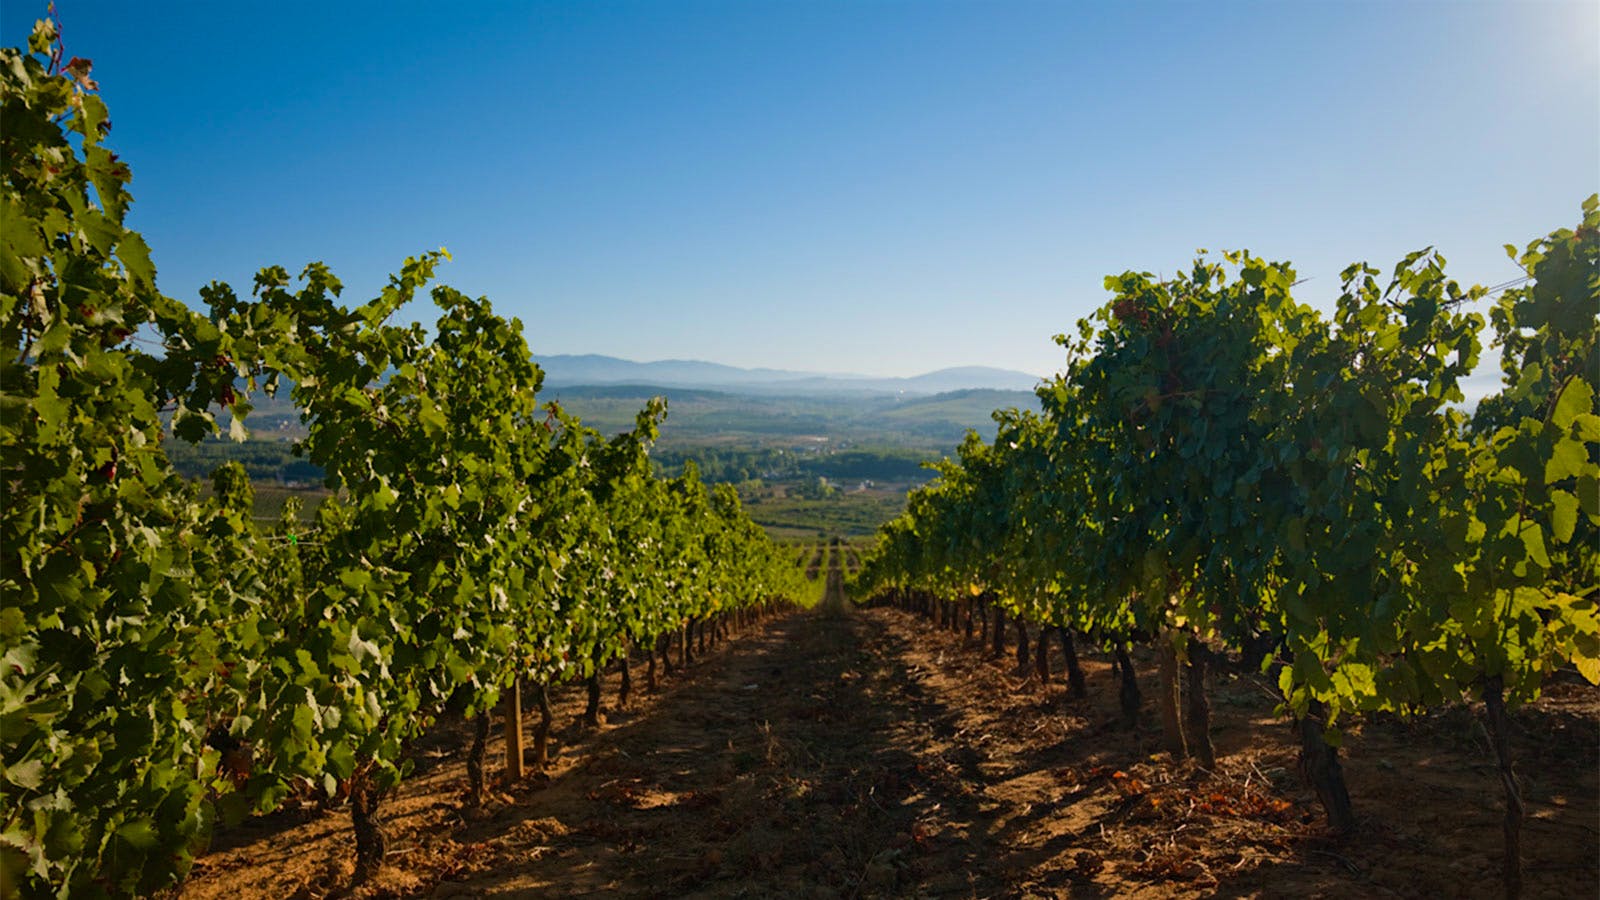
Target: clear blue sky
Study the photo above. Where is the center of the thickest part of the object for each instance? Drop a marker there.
(875, 187)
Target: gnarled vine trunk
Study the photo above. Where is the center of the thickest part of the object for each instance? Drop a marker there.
(625, 664)
(1319, 765)
(1024, 659)
(541, 732)
(591, 709)
(1494, 708)
(476, 787)
(1198, 726)
(371, 844)
(1128, 693)
(1075, 685)
(1168, 697)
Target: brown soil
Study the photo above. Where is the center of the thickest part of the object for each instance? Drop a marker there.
(864, 754)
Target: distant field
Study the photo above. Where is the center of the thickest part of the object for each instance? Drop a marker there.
(270, 501)
(848, 514)
(835, 465)
(934, 423)
(852, 515)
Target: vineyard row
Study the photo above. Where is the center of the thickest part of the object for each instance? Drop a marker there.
(1224, 470)
(167, 662)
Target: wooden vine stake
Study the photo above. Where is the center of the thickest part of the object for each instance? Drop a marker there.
(513, 714)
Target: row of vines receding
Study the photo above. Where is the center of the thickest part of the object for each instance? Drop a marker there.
(165, 661)
(1222, 469)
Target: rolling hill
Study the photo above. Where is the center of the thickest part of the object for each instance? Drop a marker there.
(591, 369)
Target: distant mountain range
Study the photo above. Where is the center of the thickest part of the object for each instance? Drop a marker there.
(591, 369)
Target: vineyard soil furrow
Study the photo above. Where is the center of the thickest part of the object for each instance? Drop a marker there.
(846, 753)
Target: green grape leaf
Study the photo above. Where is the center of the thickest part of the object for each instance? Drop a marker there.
(1533, 541)
(1566, 460)
(140, 833)
(1576, 398)
(1564, 515)
(1589, 495)
(1587, 427)
(28, 775)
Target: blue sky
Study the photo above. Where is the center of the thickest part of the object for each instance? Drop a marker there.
(875, 187)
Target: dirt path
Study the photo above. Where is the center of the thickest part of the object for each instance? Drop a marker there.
(864, 754)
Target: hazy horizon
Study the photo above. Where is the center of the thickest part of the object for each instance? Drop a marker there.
(540, 354)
